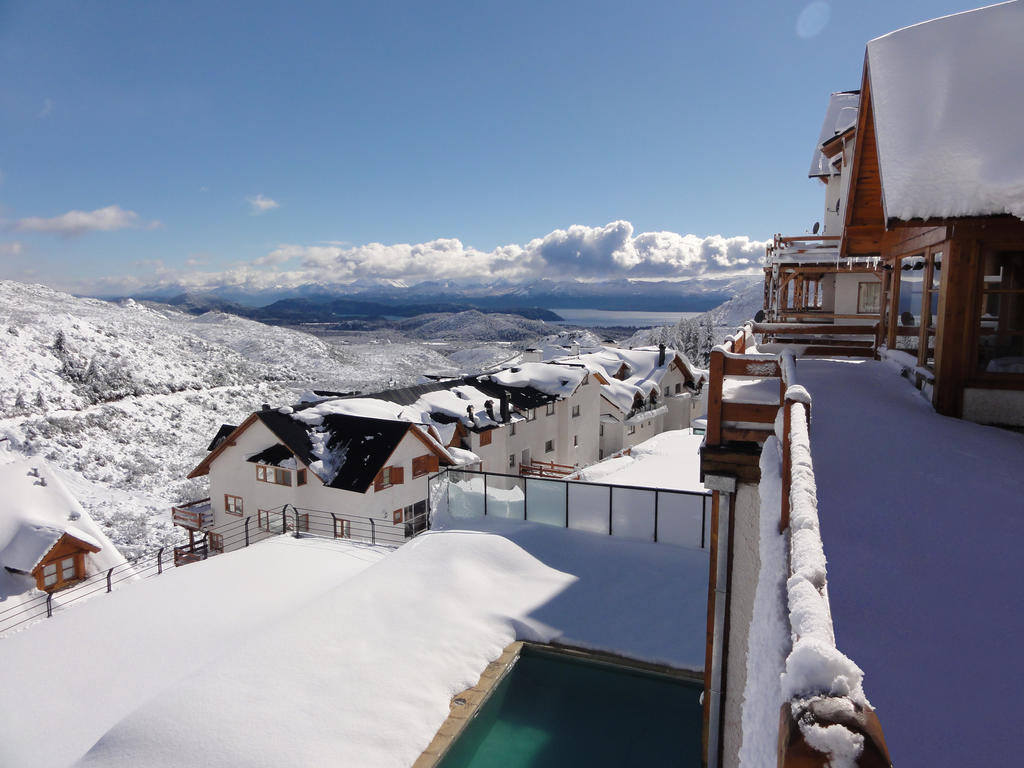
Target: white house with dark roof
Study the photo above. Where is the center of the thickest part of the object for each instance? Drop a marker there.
(47, 541)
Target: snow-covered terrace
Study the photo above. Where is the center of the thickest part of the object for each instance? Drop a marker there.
(321, 652)
(922, 517)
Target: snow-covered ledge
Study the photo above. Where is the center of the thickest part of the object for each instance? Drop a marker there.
(804, 699)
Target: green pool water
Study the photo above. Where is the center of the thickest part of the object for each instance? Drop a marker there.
(555, 710)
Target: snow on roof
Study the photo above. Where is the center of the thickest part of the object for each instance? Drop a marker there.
(644, 375)
(669, 460)
(30, 545)
(36, 509)
(553, 380)
(840, 116)
(371, 656)
(948, 114)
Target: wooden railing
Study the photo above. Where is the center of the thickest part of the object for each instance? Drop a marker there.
(728, 419)
(545, 469)
(193, 515)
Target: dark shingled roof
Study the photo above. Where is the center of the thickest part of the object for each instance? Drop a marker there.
(365, 443)
(275, 455)
(409, 395)
(223, 432)
(519, 397)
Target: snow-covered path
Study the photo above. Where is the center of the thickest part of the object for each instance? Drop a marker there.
(922, 518)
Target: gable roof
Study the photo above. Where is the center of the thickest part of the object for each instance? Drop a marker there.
(948, 115)
(34, 540)
(346, 451)
(840, 117)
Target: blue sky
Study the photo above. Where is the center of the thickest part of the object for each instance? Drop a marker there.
(207, 142)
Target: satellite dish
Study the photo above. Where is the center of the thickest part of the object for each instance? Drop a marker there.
(814, 229)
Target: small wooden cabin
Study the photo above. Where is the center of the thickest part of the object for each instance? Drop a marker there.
(937, 193)
(54, 557)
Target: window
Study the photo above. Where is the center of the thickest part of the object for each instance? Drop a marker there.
(575, 440)
(274, 475)
(387, 477)
(342, 529)
(233, 504)
(668, 390)
(600, 431)
(632, 429)
(415, 516)
(485, 438)
(302, 519)
(600, 454)
(869, 298)
(531, 414)
(216, 541)
(396, 517)
(60, 573)
(424, 465)
(512, 428)
(511, 461)
(679, 388)
(1001, 321)
(301, 477)
(575, 411)
(549, 446)
(549, 409)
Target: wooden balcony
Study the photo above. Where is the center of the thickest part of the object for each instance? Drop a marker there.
(195, 515)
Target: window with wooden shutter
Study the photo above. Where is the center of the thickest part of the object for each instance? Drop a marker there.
(485, 438)
(397, 475)
(396, 516)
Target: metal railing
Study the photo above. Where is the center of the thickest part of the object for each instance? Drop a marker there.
(635, 512)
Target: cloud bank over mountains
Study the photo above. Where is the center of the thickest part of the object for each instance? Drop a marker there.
(613, 251)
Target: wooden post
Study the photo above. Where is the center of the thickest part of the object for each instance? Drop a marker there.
(715, 375)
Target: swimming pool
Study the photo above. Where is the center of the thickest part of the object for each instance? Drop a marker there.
(553, 709)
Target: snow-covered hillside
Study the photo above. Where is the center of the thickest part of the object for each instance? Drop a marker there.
(123, 398)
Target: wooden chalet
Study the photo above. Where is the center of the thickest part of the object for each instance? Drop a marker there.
(935, 194)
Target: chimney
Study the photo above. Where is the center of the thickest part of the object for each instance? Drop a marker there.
(661, 355)
(503, 406)
(469, 412)
(531, 355)
(266, 406)
(489, 407)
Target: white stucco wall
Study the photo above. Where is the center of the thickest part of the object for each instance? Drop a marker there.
(746, 564)
(230, 473)
(847, 286)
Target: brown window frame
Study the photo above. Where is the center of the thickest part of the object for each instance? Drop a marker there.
(230, 507)
(425, 464)
(485, 438)
(265, 473)
(216, 541)
(861, 290)
(342, 528)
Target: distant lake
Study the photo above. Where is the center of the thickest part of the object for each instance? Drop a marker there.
(606, 317)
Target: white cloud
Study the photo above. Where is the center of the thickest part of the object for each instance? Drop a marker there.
(612, 251)
(74, 223)
(46, 109)
(259, 204)
(12, 249)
